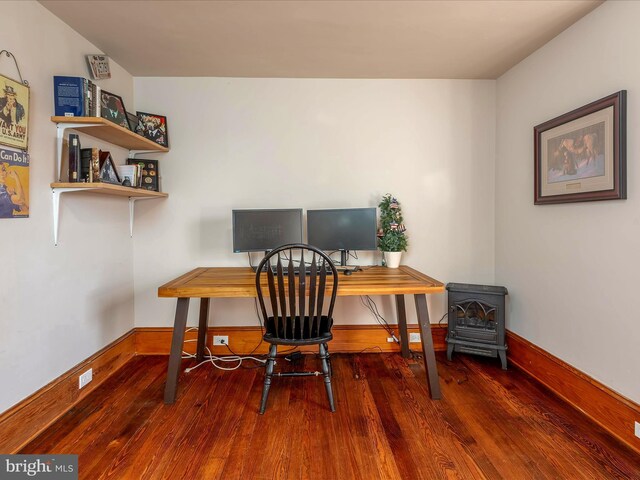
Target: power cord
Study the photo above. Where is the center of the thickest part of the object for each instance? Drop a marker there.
(368, 302)
(210, 358)
(375, 347)
(371, 305)
(255, 304)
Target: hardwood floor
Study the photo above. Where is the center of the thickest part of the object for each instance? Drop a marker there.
(490, 424)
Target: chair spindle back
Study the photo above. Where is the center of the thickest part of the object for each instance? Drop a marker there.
(294, 317)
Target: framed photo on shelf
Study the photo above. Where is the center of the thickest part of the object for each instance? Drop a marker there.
(14, 113)
(127, 174)
(149, 173)
(133, 121)
(112, 108)
(153, 127)
(581, 156)
(108, 173)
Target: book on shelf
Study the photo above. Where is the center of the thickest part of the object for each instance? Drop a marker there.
(75, 97)
(74, 158)
(138, 165)
(90, 165)
(148, 173)
(96, 91)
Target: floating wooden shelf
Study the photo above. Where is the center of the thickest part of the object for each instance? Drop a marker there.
(109, 132)
(110, 189)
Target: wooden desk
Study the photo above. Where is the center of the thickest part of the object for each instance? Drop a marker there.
(238, 282)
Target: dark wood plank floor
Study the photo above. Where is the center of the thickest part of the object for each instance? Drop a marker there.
(490, 424)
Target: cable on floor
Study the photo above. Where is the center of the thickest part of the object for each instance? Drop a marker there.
(210, 358)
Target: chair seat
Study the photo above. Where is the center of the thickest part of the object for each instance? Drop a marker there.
(297, 331)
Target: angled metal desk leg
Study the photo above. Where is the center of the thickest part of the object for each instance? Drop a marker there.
(202, 328)
(175, 358)
(402, 326)
(427, 346)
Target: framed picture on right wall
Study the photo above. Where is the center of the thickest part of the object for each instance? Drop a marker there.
(581, 156)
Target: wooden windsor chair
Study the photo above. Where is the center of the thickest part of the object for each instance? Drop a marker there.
(299, 313)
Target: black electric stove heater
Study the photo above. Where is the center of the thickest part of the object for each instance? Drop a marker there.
(477, 320)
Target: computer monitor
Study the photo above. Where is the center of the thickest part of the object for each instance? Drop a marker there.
(342, 229)
(264, 230)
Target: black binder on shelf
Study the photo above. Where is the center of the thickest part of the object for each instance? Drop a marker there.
(75, 162)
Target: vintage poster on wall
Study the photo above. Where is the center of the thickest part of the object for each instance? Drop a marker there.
(14, 184)
(14, 113)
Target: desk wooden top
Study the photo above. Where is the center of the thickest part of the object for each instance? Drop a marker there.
(228, 282)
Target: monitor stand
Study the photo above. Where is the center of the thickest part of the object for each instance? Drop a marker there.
(255, 267)
(344, 255)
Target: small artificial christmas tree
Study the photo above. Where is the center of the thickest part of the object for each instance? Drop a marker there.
(391, 234)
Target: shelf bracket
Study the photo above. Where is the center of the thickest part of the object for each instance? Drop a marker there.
(133, 153)
(57, 192)
(61, 127)
(132, 203)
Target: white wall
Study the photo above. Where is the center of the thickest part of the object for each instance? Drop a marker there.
(332, 143)
(572, 270)
(309, 143)
(58, 305)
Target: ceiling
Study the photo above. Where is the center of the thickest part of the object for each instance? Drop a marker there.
(320, 39)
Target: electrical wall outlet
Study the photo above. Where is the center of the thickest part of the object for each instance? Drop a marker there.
(414, 338)
(637, 432)
(85, 378)
(221, 339)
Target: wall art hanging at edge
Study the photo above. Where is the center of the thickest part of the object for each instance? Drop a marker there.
(581, 156)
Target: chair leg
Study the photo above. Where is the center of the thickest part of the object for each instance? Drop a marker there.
(324, 355)
(326, 347)
(271, 360)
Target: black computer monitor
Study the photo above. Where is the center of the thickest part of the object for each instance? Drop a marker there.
(264, 230)
(342, 229)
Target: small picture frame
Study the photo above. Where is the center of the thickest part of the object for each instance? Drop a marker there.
(581, 156)
(127, 173)
(153, 127)
(149, 175)
(133, 121)
(108, 172)
(99, 66)
(112, 109)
